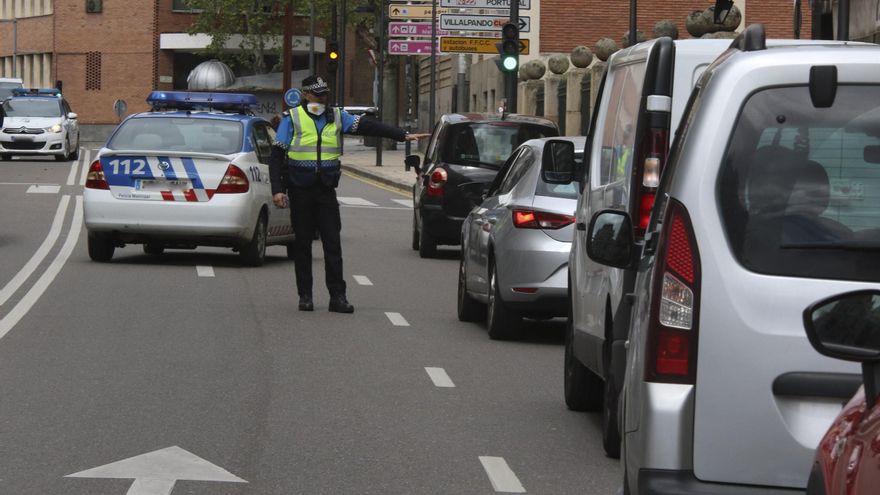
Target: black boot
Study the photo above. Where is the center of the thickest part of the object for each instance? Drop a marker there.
(339, 304)
(306, 304)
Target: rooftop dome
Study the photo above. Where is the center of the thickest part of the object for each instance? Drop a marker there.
(210, 75)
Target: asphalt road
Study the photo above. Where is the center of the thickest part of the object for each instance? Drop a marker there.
(189, 374)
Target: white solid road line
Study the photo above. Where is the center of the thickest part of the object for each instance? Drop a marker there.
(355, 201)
(440, 378)
(86, 159)
(31, 297)
(362, 280)
(44, 189)
(501, 476)
(39, 254)
(397, 319)
(405, 202)
(73, 166)
(205, 271)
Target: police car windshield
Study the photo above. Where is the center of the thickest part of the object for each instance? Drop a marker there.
(178, 134)
(32, 107)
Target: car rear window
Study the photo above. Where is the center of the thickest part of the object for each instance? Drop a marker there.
(178, 134)
(32, 107)
(569, 191)
(800, 186)
(489, 144)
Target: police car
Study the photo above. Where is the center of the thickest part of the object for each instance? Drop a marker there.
(39, 122)
(191, 172)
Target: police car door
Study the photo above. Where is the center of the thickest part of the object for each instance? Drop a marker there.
(261, 136)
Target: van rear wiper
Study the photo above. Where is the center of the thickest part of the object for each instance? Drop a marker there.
(841, 245)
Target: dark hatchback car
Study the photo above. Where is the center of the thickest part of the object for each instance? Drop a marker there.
(464, 155)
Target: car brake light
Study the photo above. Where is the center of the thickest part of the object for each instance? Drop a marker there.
(234, 181)
(437, 181)
(96, 178)
(673, 324)
(531, 219)
(655, 149)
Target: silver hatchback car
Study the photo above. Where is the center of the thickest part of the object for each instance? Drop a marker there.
(515, 244)
(770, 200)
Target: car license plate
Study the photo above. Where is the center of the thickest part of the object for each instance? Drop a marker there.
(22, 138)
(160, 185)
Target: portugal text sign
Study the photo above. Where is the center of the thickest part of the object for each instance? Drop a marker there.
(484, 4)
(412, 29)
(410, 47)
(454, 44)
(456, 22)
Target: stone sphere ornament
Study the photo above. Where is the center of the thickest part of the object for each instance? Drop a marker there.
(558, 64)
(605, 47)
(581, 57)
(640, 37)
(534, 69)
(665, 28)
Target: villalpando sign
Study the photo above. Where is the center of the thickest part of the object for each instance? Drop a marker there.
(456, 22)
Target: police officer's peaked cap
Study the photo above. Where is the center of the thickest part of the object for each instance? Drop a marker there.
(315, 85)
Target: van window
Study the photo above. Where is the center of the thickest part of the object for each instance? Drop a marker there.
(619, 135)
(800, 186)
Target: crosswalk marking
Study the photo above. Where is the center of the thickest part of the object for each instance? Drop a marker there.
(362, 280)
(440, 377)
(44, 189)
(405, 202)
(397, 319)
(355, 201)
(205, 271)
(501, 476)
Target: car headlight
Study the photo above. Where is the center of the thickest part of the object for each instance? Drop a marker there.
(55, 128)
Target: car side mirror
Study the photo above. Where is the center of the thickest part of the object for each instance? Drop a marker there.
(610, 238)
(413, 162)
(71, 115)
(847, 326)
(557, 162)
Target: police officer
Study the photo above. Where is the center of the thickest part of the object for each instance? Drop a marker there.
(308, 145)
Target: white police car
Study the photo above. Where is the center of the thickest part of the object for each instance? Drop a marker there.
(39, 122)
(191, 172)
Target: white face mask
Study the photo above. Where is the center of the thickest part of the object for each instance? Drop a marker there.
(315, 108)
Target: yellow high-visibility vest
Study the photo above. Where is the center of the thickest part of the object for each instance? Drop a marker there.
(304, 142)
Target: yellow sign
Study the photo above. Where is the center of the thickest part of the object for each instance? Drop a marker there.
(399, 11)
(454, 44)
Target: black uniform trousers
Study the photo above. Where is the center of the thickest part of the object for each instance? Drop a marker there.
(311, 208)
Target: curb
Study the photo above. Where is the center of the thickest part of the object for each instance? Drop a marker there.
(402, 186)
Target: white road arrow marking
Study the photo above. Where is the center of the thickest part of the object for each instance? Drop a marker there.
(397, 319)
(155, 473)
(44, 189)
(404, 202)
(440, 377)
(355, 201)
(362, 280)
(204, 271)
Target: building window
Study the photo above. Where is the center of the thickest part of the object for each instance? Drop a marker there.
(182, 6)
(93, 71)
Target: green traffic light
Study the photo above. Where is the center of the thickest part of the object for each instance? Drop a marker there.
(509, 63)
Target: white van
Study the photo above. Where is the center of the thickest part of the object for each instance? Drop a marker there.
(7, 84)
(641, 99)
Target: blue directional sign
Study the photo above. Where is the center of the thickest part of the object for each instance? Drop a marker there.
(293, 97)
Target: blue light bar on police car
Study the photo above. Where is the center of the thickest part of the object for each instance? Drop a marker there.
(36, 92)
(186, 100)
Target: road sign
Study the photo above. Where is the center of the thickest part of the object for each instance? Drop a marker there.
(484, 4)
(396, 11)
(157, 472)
(412, 29)
(454, 44)
(410, 47)
(457, 22)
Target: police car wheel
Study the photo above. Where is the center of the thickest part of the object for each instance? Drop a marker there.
(254, 252)
(101, 247)
(75, 154)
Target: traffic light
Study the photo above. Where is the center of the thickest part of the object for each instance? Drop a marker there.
(509, 49)
(332, 56)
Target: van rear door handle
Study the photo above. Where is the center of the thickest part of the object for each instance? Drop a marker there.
(581, 226)
(810, 384)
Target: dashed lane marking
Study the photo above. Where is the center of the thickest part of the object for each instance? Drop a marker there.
(397, 319)
(73, 166)
(362, 280)
(355, 201)
(86, 159)
(205, 271)
(44, 189)
(440, 378)
(405, 202)
(501, 476)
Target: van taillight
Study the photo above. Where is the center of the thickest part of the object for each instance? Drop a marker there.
(672, 333)
(96, 178)
(437, 181)
(234, 181)
(654, 151)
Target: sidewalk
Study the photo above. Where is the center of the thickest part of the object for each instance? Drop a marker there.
(361, 160)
